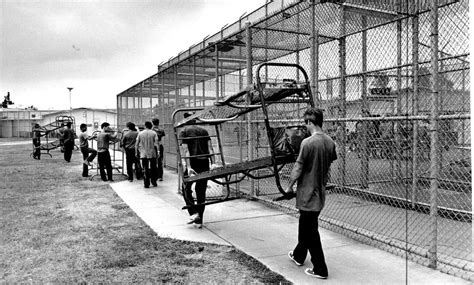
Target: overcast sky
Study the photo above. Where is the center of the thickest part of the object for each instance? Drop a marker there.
(99, 48)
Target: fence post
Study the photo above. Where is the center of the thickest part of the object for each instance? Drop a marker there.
(314, 56)
(194, 82)
(434, 162)
(342, 93)
(249, 115)
(217, 72)
(363, 148)
(415, 102)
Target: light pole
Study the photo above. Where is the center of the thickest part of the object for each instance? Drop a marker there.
(70, 105)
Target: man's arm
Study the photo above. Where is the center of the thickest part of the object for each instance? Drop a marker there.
(185, 161)
(137, 145)
(211, 152)
(295, 174)
(156, 144)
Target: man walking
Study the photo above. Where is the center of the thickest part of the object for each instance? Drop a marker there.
(161, 134)
(147, 144)
(103, 158)
(197, 149)
(311, 171)
(68, 135)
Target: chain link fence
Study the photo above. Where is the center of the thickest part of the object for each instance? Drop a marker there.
(393, 80)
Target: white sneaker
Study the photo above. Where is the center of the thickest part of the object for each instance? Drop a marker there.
(193, 218)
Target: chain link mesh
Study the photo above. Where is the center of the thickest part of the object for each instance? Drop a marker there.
(404, 174)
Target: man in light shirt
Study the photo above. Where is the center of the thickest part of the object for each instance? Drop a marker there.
(147, 143)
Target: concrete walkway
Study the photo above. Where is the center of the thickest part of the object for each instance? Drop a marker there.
(267, 235)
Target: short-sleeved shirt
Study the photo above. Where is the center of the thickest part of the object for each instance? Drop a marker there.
(129, 139)
(147, 141)
(159, 132)
(196, 138)
(103, 141)
(316, 155)
(83, 143)
(68, 135)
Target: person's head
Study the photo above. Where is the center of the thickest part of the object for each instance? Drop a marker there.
(68, 125)
(313, 116)
(83, 127)
(189, 114)
(37, 125)
(156, 122)
(131, 126)
(104, 125)
(148, 125)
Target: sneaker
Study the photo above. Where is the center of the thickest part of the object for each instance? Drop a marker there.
(161, 179)
(193, 218)
(310, 272)
(291, 256)
(199, 226)
(154, 184)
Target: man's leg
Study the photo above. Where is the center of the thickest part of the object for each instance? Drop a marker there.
(101, 161)
(68, 151)
(129, 156)
(92, 155)
(201, 186)
(314, 246)
(146, 168)
(153, 171)
(85, 168)
(108, 165)
(160, 163)
(301, 249)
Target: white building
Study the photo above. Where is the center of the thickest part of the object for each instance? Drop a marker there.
(19, 122)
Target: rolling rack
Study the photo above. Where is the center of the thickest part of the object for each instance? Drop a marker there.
(268, 97)
(117, 162)
(58, 123)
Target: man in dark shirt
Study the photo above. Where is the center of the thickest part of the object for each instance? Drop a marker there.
(68, 135)
(311, 171)
(197, 149)
(128, 142)
(103, 140)
(161, 134)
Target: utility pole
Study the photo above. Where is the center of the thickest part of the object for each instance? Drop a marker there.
(70, 105)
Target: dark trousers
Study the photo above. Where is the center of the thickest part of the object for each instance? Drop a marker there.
(85, 155)
(198, 165)
(309, 240)
(103, 158)
(131, 161)
(37, 149)
(160, 162)
(149, 167)
(68, 147)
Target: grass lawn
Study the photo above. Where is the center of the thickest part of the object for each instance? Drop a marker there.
(59, 227)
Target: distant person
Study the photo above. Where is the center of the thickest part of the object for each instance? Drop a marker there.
(311, 171)
(161, 134)
(146, 146)
(68, 136)
(37, 130)
(103, 141)
(88, 154)
(128, 142)
(197, 149)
